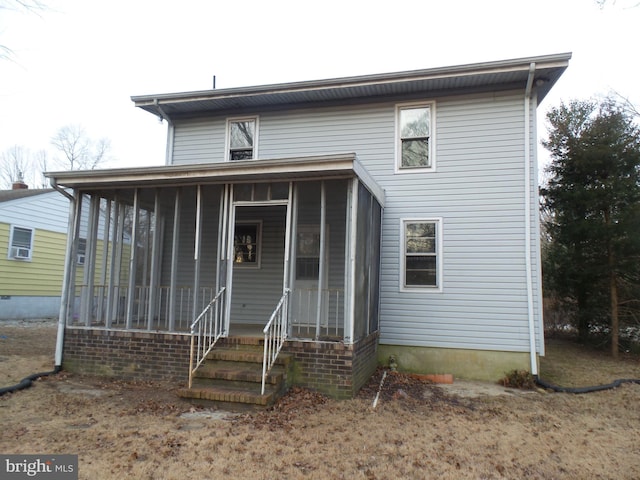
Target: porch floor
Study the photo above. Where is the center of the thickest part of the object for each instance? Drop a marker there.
(246, 330)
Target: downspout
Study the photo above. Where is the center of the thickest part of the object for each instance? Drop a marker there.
(62, 316)
(527, 215)
(163, 116)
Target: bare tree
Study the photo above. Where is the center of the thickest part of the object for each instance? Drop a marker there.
(78, 150)
(626, 104)
(15, 165)
(41, 163)
(603, 3)
(33, 6)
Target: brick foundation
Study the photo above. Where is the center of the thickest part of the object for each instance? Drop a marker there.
(335, 369)
(332, 368)
(127, 354)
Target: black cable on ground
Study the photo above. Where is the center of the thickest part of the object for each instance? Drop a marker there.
(595, 388)
(27, 381)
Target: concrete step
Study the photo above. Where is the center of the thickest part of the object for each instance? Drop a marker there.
(238, 372)
(232, 375)
(228, 395)
(248, 355)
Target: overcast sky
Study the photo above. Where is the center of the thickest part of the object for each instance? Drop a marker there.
(79, 61)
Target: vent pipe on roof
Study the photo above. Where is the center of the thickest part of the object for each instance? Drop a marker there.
(214, 82)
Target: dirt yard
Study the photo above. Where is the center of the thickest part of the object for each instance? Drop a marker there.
(417, 431)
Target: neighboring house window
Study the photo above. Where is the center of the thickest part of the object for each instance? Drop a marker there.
(415, 137)
(242, 138)
(422, 252)
(82, 250)
(21, 243)
(247, 238)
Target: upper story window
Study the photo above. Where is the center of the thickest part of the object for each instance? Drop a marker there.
(21, 243)
(242, 138)
(415, 137)
(422, 247)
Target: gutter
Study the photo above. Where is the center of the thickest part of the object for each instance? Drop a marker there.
(66, 281)
(527, 215)
(162, 115)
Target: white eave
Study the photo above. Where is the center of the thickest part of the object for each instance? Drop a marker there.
(498, 75)
(273, 170)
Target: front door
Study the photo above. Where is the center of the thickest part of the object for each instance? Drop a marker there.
(257, 265)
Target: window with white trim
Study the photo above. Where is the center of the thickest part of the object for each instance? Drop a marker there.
(21, 243)
(242, 138)
(415, 137)
(421, 249)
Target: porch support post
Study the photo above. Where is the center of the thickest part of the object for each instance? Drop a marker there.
(321, 260)
(73, 263)
(287, 242)
(231, 214)
(350, 280)
(113, 294)
(155, 260)
(63, 313)
(103, 265)
(221, 262)
(291, 234)
(143, 307)
(196, 254)
(174, 261)
(86, 300)
(133, 257)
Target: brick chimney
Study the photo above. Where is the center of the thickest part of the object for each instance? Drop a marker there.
(19, 183)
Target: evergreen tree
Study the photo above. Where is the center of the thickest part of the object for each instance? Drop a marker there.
(593, 195)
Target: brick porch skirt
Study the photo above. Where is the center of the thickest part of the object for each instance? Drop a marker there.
(332, 368)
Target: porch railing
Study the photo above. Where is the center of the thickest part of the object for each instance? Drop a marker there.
(106, 306)
(275, 334)
(205, 332)
(303, 313)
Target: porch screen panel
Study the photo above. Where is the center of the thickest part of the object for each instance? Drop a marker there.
(337, 191)
(374, 265)
(363, 259)
(304, 300)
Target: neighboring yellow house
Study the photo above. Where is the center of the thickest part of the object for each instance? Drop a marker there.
(33, 235)
(33, 243)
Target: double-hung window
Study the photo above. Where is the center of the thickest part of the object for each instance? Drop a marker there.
(21, 243)
(242, 138)
(415, 138)
(422, 252)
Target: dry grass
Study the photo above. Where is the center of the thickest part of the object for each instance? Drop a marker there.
(138, 430)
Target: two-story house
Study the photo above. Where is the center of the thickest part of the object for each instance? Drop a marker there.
(362, 218)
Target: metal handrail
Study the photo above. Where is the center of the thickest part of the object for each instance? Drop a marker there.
(275, 334)
(208, 332)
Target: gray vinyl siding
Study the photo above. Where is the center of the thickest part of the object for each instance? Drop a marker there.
(199, 141)
(477, 190)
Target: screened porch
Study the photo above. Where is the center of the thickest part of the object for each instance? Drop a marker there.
(151, 248)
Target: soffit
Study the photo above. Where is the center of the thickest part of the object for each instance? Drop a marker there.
(502, 75)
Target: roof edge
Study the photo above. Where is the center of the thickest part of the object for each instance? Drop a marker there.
(552, 60)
